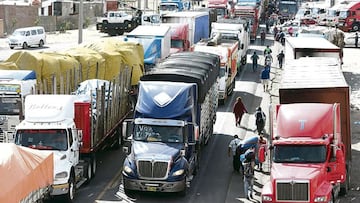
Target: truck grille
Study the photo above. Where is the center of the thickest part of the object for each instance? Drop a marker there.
(292, 191)
(152, 169)
(243, 13)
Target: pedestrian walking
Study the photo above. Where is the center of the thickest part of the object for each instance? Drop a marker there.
(262, 37)
(356, 39)
(260, 119)
(265, 77)
(268, 60)
(239, 110)
(262, 152)
(275, 32)
(254, 59)
(249, 164)
(267, 50)
(280, 58)
(232, 151)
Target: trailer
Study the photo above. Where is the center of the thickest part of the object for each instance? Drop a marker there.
(311, 149)
(76, 127)
(26, 174)
(167, 138)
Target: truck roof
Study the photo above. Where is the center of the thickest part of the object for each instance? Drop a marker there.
(238, 20)
(311, 43)
(17, 75)
(50, 108)
(347, 4)
(312, 72)
(188, 14)
(149, 30)
(221, 51)
(179, 70)
(316, 126)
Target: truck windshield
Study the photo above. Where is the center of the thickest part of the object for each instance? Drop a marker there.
(10, 105)
(48, 139)
(166, 7)
(155, 133)
(343, 14)
(222, 71)
(299, 153)
(177, 44)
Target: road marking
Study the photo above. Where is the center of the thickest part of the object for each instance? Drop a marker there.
(113, 181)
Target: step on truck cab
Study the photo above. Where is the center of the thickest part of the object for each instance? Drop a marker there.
(173, 117)
(310, 134)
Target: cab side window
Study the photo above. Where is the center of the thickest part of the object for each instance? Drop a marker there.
(70, 137)
(27, 33)
(33, 32)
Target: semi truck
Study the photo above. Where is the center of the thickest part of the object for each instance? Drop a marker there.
(26, 174)
(310, 134)
(349, 17)
(287, 9)
(236, 26)
(15, 85)
(75, 128)
(223, 7)
(169, 6)
(173, 118)
(198, 23)
(226, 46)
(251, 10)
(179, 37)
(297, 47)
(159, 45)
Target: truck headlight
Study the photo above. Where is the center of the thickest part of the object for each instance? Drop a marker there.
(320, 199)
(128, 170)
(178, 172)
(60, 175)
(267, 198)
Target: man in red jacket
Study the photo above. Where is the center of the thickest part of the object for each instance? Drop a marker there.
(239, 110)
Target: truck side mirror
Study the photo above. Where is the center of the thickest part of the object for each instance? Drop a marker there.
(127, 128)
(80, 137)
(242, 46)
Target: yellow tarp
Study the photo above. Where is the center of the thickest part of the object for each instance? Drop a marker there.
(118, 53)
(8, 66)
(92, 63)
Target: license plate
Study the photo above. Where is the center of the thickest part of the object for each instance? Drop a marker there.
(151, 189)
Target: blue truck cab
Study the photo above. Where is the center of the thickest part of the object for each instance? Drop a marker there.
(168, 6)
(174, 112)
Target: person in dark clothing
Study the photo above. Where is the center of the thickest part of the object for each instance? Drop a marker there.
(262, 37)
(232, 151)
(254, 59)
(260, 119)
(239, 110)
(249, 165)
(356, 39)
(280, 58)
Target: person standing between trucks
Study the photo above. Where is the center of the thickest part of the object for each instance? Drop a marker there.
(249, 164)
(254, 59)
(233, 145)
(280, 58)
(239, 110)
(262, 37)
(261, 152)
(275, 32)
(260, 119)
(265, 77)
(268, 60)
(356, 39)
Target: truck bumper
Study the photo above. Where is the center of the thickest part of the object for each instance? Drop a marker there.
(221, 95)
(60, 189)
(153, 186)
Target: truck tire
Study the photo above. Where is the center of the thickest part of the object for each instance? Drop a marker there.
(126, 24)
(41, 43)
(356, 27)
(69, 197)
(345, 186)
(25, 45)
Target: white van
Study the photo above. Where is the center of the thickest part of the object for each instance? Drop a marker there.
(27, 37)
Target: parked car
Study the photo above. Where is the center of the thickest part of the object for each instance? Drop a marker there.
(27, 37)
(350, 39)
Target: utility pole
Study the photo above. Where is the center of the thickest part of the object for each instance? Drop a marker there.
(81, 17)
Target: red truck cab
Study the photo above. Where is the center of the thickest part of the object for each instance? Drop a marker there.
(308, 156)
(222, 7)
(349, 16)
(179, 37)
(250, 10)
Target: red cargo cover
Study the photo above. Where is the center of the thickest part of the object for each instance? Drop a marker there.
(23, 170)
